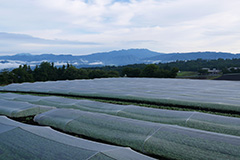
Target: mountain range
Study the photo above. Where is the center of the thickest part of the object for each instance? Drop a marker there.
(117, 58)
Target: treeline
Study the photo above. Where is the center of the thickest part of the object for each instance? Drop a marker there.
(196, 65)
(48, 72)
(191, 65)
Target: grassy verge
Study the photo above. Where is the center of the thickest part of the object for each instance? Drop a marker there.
(195, 75)
(186, 74)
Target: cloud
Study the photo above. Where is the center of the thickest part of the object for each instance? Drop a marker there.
(26, 43)
(10, 64)
(85, 26)
(34, 40)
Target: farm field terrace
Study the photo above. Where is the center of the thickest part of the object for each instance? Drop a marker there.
(208, 95)
(20, 105)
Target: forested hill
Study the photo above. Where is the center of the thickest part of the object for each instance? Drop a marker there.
(113, 58)
(196, 65)
(164, 58)
(191, 65)
(117, 58)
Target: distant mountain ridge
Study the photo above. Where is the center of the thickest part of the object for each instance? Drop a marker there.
(192, 56)
(120, 57)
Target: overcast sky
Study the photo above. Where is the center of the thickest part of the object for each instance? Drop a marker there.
(88, 26)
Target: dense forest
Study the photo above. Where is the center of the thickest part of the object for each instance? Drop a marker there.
(191, 65)
(48, 72)
(196, 65)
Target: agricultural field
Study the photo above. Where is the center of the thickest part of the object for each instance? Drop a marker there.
(187, 74)
(230, 77)
(22, 141)
(158, 118)
(217, 96)
(195, 75)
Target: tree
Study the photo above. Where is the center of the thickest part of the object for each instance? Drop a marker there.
(162, 73)
(22, 74)
(131, 72)
(203, 71)
(6, 77)
(97, 73)
(83, 74)
(112, 74)
(150, 70)
(45, 71)
(173, 72)
(71, 73)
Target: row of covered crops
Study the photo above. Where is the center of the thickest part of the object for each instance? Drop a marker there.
(220, 96)
(16, 105)
(108, 122)
(20, 141)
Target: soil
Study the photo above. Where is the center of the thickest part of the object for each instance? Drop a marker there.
(230, 77)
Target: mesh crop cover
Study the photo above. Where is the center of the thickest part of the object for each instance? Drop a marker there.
(20, 109)
(157, 139)
(207, 94)
(24, 142)
(208, 122)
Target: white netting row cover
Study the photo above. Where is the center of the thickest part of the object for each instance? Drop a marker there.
(25, 142)
(21, 109)
(221, 95)
(162, 140)
(209, 122)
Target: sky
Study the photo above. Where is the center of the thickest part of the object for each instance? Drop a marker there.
(81, 27)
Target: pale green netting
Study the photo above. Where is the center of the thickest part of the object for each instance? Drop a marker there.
(56, 101)
(21, 109)
(25, 142)
(214, 95)
(186, 143)
(209, 122)
(203, 121)
(9, 96)
(221, 124)
(150, 138)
